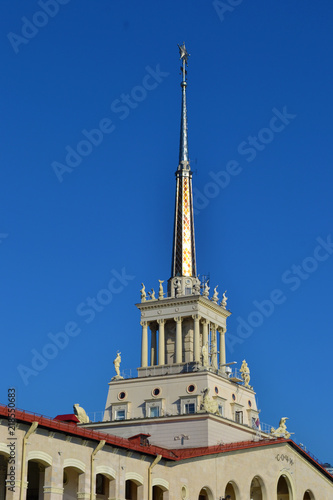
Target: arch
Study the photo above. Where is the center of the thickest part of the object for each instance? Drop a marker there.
(232, 490)
(258, 489)
(162, 483)
(4, 449)
(135, 477)
(308, 495)
(76, 464)
(206, 494)
(107, 471)
(285, 486)
(41, 457)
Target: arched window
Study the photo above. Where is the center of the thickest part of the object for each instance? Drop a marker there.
(284, 491)
(308, 495)
(257, 489)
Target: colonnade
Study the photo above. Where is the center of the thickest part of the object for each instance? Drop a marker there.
(202, 351)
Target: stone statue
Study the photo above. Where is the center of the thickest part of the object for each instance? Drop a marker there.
(160, 291)
(245, 373)
(197, 286)
(208, 404)
(116, 363)
(204, 354)
(152, 294)
(178, 286)
(215, 297)
(81, 414)
(143, 293)
(281, 431)
(205, 293)
(224, 300)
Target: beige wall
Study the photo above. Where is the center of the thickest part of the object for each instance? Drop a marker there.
(54, 451)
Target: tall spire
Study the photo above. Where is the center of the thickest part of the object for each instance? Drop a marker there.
(183, 256)
(183, 143)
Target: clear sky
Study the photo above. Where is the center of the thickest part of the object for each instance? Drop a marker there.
(75, 215)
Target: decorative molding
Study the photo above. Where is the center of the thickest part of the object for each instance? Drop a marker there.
(107, 471)
(52, 489)
(73, 462)
(134, 476)
(161, 482)
(41, 456)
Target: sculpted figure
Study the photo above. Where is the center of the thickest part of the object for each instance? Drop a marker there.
(160, 291)
(116, 363)
(224, 300)
(204, 354)
(152, 294)
(143, 293)
(208, 404)
(196, 286)
(281, 431)
(81, 414)
(178, 286)
(245, 372)
(215, 297)
(205, 293)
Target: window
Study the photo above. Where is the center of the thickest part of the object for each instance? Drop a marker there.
(188, 291)
(100, 484)
(154, 411)
(220, 409)
(239, 417)
(120, 414)
(189, 408)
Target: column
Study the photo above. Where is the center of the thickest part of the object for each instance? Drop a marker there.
(179, 340)
(144, 344)
(153, 345)
(222, 347)
(205, 347)
(196, 341)
(53, 484)
(213, 347)
(161, 342)
(83, 492)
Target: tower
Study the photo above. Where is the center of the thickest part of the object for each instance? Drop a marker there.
(185, 394)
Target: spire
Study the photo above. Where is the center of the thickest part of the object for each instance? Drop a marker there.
(183, 143)
(183, 257)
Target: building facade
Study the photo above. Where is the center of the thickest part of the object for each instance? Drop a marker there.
(187, 427)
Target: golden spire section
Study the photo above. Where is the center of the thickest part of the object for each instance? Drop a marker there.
(183, 259)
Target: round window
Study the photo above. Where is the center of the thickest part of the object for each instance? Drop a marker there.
(156, 392)
(234, 397)
(249, 403)
(122, 395)
(216, 390)
(191, 388)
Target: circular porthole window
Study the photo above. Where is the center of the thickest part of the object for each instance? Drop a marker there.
(216, 390)
(122, 395)
(184, 492)
(191, 388)
(249, 403)
(233, 397)
(156, 392)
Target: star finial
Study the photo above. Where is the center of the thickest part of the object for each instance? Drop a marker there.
(184, 55)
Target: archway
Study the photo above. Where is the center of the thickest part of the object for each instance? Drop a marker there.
(284, 491)
(105, 483)
(308, 495)
(71, 477)
(231, 491)
(257, 489)
(205, 494)
(36, 473)
(157, 493)
(3, 475)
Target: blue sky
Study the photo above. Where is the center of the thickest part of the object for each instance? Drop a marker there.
(260, 125)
